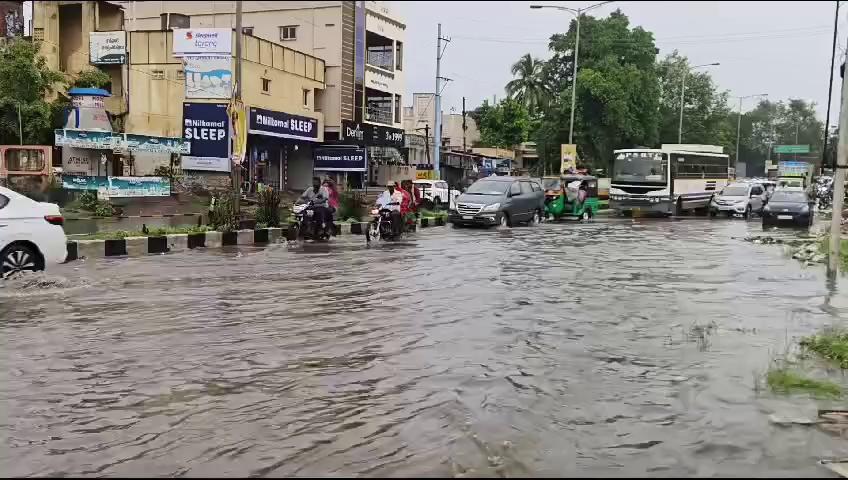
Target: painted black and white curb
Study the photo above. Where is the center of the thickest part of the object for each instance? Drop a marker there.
(138, 246)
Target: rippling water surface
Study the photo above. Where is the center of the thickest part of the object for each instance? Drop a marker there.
(611, 348)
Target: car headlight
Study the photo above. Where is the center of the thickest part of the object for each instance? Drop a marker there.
(491, 208)
(805, 209)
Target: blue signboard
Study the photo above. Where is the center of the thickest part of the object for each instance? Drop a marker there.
(207, 127)
(139, 187)
(335, 159)
(284, 125)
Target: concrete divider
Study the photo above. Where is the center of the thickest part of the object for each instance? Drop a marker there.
(137, 246)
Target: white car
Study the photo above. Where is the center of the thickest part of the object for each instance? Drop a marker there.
(436, 191)
(31, 234)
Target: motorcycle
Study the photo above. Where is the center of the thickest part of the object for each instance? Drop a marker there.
(381, 227)
(824, 193)
(306, 224)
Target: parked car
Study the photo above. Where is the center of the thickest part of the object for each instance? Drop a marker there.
(504, 201)
(31, 234)
(742, 197)
(435, 193)
(788, 206)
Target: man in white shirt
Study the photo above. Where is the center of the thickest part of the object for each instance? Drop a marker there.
(390, 199)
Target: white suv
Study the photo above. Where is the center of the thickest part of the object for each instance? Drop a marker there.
(31, 234)
(743, 198)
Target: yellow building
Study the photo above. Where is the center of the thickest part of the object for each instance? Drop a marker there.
(280, 85)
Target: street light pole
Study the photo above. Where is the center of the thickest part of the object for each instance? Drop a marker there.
(739, 125)
(577, 13)
(682, 91)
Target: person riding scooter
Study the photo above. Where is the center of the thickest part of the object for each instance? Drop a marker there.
(319, 197)
(391, 200)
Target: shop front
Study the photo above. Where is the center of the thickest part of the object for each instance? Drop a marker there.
(384, 146)
(279, 150)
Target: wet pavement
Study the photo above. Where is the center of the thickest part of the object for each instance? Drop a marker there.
(611, 348)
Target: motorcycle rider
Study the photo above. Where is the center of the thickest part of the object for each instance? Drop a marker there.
(319, 196)
(391, 200)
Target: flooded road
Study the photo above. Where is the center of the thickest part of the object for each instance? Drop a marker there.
(611, 348)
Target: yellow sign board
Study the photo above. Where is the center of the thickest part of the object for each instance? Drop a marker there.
(425, 174)
(568, 157)
(238, 120)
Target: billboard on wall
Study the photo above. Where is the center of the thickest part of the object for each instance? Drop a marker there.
(108, 48)
(208, 76)
(203, 41)
(281, 124)
(336, 159)
(207, 127)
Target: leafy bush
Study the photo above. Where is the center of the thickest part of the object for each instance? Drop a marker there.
(92, 78)
(222, 213)
(103, 209)
(351, 205)
(100, 208)
(268, 212)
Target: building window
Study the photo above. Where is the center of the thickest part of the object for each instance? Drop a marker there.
(288, 32)
(266, 85)
(247, 30)
(398, 118)
(157, 74)
(180, 75)
(306, 98)
(399, 55)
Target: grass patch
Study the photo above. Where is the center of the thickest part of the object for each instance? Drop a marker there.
(824, 247)
(783, 380)
(152, 232)
(433, 214)
(831, 344)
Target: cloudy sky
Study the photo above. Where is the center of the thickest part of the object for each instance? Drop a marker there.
(779, 48)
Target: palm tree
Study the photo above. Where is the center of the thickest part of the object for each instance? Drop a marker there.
(528, 88)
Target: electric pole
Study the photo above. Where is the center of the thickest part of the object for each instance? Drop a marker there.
(464, 126)
(237, 101)
(437, 130)
(830, 90)
(840, 166)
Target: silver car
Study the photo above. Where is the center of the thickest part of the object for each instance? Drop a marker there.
(742, 198)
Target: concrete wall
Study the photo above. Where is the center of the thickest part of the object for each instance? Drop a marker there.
(157, 86)
(452, 130)
(63, 29)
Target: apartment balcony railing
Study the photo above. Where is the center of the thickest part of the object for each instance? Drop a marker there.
(379, 115)
(384, 60)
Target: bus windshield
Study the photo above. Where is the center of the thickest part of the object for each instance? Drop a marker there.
(650, 167)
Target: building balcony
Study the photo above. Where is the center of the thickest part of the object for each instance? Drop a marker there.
(382, 59)
(379, 115)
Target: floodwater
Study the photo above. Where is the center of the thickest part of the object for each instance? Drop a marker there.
(611, 348)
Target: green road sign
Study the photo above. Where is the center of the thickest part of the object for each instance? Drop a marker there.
(791, 149)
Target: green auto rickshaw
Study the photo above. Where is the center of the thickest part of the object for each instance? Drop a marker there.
(557, 203)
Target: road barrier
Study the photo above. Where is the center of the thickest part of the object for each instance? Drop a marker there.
(139, 246)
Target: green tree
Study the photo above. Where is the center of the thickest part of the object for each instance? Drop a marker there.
(706, 114)
(92, 78)
(528, 87)
(503, 125)
(25, 83)
(618, 89)
(776, 123)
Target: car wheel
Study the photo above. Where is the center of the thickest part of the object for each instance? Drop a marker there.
(19, 258)
(505, 222)
(537, 218)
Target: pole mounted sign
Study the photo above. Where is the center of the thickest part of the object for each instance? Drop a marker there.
(791, 149)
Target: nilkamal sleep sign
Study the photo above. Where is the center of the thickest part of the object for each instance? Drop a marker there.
(202, 41)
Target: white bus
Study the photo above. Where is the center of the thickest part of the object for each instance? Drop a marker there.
(669, 180)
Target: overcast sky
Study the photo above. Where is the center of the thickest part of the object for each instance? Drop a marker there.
(779, 48)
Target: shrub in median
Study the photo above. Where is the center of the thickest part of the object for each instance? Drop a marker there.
(268, 212)
(222, 213)
(351, 206)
